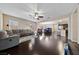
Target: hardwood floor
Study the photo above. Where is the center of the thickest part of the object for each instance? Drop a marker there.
(21, 49)
(47, 45)
(74, 48)
(44, 45)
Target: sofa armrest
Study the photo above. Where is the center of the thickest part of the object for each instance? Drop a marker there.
(14, 36)
(9, 42)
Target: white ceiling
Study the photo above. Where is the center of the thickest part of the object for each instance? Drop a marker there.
(51, 11)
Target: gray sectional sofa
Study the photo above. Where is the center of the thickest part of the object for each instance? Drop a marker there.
(11, 38)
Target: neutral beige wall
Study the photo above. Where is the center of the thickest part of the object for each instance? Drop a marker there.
(5, 22)
(78, 26)
(74, 26)
(22, 23)
(1, 20)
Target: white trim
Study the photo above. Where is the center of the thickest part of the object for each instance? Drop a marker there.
(78, 27)
(73, 40)
(1, 20)
(69, 28)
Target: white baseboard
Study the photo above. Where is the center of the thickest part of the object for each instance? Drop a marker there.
(73, 41)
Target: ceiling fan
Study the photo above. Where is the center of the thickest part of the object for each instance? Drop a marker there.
(37, 15)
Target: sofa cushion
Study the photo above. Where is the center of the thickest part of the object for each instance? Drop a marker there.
(15, 31)
(9, 32)
(3, 34)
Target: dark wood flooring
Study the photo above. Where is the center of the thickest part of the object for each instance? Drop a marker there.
(48, 45)
(43, 45)
(74, 48)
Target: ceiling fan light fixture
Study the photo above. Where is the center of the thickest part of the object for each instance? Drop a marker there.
(36, 17)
